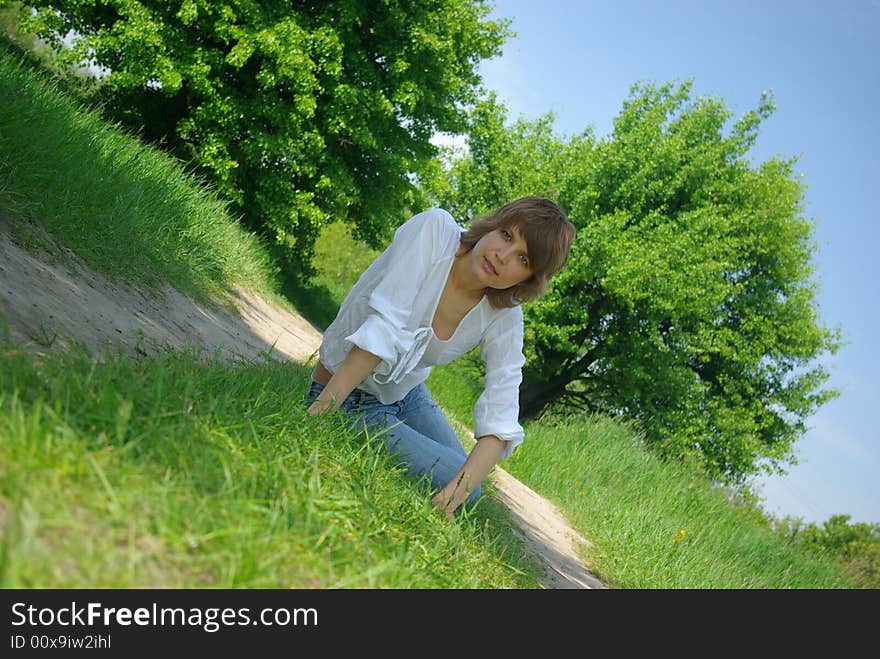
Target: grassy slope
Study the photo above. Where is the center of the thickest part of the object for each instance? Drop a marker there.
(178, 472)
(127, 209)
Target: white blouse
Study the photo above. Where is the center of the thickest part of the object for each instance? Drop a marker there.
(390, 310)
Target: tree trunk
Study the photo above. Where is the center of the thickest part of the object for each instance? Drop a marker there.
(534, 395)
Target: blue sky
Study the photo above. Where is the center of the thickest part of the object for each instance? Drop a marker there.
(579, 59)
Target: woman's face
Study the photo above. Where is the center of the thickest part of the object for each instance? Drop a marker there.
(501, 258)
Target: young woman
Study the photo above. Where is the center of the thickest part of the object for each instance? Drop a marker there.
(434, 294)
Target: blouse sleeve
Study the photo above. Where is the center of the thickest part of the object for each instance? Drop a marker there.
(497, 409)
(401, 272)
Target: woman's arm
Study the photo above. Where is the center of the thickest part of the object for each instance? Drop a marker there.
(358, 363)
(479, 463)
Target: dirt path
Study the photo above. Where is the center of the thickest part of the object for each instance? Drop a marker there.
(48, 304)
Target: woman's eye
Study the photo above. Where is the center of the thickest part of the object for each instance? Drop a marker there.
(505, 234)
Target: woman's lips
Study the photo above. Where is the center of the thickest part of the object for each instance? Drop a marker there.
(488, 266)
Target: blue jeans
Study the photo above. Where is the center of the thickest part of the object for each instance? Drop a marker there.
(414, 430)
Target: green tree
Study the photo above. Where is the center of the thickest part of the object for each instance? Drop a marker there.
(300, 113)
(688, 302)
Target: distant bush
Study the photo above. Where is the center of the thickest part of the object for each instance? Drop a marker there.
(856, 545)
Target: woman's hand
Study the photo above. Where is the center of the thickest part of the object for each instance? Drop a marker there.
(354, 368)
(453, 495)
(319, 407)
(479, 463)
(358, 363)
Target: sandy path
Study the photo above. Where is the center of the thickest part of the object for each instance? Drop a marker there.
(49, 303)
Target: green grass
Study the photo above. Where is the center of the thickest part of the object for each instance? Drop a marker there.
(658, 524)
(458, 385)
(653, 523)
(127, 209)
(182, 471)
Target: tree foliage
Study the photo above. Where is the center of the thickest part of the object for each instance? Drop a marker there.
(688, 302)
(300, 113)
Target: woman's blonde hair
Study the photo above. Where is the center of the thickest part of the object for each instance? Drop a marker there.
(548, 234)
